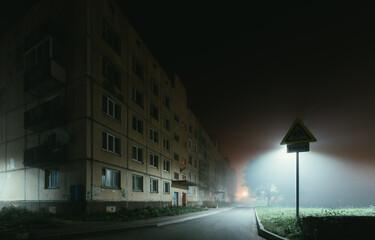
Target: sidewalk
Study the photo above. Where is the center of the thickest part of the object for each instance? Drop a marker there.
(69, 228)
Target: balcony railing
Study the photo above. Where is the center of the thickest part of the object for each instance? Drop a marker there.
(44, 78)
(45, 116)
(44, 156)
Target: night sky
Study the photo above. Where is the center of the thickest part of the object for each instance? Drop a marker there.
(252, 69)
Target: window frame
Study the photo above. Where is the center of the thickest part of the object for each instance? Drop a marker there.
(154, 135)
(164, 188)
(166, 165)
(152, 182)
(138, 97)
(106, 103)
(104, 178)
(114, 144)
(154, 158)
(137, 124)
(138, 154)
(52, 178)
(135, 177)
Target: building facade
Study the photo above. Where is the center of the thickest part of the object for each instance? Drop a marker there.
(90, 120)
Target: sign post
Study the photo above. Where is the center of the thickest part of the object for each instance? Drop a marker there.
(298, 140)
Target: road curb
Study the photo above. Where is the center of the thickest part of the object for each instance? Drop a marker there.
(62, 236)
(264, 233)
(190, 218)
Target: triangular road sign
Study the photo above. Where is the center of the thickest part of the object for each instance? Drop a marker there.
(298, 133)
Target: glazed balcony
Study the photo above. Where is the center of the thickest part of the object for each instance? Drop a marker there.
(44, 156)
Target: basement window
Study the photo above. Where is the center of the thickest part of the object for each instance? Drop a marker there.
(52, 178)
(110, 178)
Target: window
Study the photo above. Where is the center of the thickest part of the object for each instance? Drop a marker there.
(38, 54)
(190, 160)
(183, 161)
(166, 144)
(110, 72)
(154, 185)
(137, 183)
(190, 191)
(111, 37)
(137, 125)
(183, 177)
(176, 137)
(195, 192)
(110, 143)
(52, 178)
(176, 176)
(167, 101)
(111, 108)
(138, 67)
(176, 118)
(137, 97)
(154, 160)
(190, 143)
(195, 163)
(195, 148)
(154, 111)
(176, 157)
(190, 128)
(183, 143)
(166, 187)
(166, 165)
(183, 126)
(137, 154)
(154, 135)
(189, 175)
(154, 87)
(110, 178)
(166, 123)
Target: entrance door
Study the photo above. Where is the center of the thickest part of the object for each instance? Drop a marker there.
(183, 199)
(175, 199)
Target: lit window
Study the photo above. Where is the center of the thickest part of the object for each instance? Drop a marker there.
(52, 178)
(183, 161)
(110, 178)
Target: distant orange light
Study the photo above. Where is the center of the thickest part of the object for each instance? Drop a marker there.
(244, 194)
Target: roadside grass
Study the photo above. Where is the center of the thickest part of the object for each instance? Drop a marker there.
(282, 220)
(124, 214)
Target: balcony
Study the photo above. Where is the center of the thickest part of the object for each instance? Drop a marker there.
(44, 156)
(45, 116)
(44, 78)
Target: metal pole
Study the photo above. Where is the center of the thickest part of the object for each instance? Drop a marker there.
(297, 185)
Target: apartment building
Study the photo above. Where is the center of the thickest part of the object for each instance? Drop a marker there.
(90, 121)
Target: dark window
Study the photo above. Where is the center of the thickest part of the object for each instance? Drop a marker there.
(190, 160)
(154, 87)
(111, 37)
(137, 183)
(176, 176)
(176, 137)
(154, 135)
(52, 178)
(176, 118)
(38, 54)
(111, 108)
(137, 97)
(167, 123)
(137, 125)
(138, 67)
(166, 144)
(137, 154)
(167, 101)
(154, 160)
(110, 143)
(176, 157)
(154, 185)
(154, 111)
(190, 128)
(166, 189)
(110, 72)
(110, 178)
(166, 165)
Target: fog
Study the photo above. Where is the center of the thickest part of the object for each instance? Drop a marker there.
(325, 181)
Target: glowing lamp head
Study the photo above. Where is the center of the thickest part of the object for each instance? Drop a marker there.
(244, 194)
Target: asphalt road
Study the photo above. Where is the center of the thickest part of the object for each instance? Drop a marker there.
(237, 223)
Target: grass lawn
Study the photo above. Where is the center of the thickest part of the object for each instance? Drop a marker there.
(282, 221)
